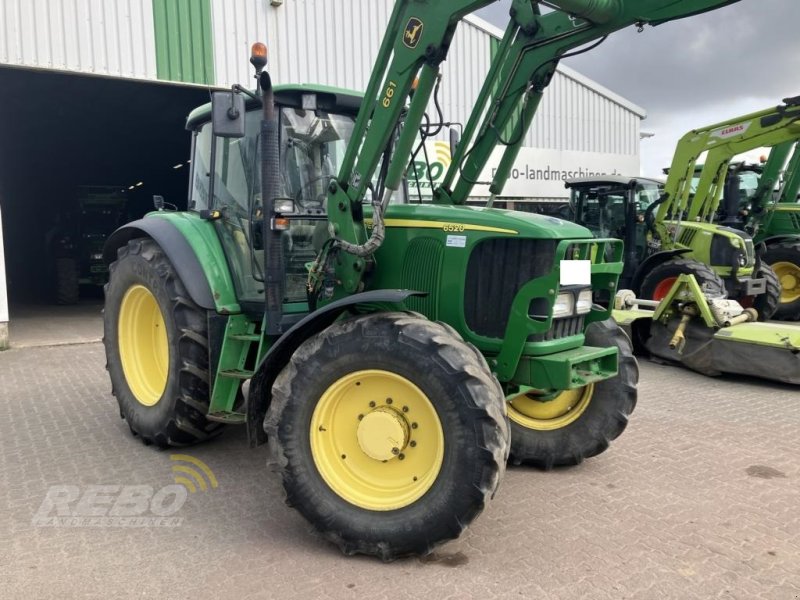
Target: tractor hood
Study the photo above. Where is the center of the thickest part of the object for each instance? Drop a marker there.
(474, 218)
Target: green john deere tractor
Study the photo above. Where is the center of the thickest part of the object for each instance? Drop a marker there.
(75, 243)
(751, 202)
(385, 344)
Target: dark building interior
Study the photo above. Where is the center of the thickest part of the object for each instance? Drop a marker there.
(60, 132)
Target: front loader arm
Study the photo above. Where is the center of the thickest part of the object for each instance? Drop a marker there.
(416, 42)
(791, 184)
(723, 141)
(770, 175)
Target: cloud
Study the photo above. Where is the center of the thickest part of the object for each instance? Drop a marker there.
(734, 60)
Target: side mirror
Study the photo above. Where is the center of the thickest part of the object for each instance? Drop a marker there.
(455, 137)
(227, 114)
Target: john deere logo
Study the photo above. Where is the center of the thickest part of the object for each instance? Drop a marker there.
(413, 32)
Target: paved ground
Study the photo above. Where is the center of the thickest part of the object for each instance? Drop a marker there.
(49, 325)
(700, 498)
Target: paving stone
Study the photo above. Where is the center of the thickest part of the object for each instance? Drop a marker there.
(699, 498)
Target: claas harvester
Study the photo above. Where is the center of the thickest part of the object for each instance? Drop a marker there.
(384, 343)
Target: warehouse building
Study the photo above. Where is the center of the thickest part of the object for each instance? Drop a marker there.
(93, 97)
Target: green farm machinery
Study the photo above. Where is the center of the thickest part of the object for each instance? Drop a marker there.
(698, 327)
(763, 200)
(386, 344)
(75, 243)
(678, 233)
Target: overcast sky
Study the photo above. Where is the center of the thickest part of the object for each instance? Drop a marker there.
(696, 71)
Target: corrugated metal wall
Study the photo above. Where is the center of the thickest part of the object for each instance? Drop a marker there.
(319, 41)
(183, 40)
(331, 42)
(90, 36)
(575, 117)
(238, 24)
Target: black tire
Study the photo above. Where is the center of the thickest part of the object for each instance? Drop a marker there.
(178, 416)
(787, 251)
(602, 420)
(767, 303)
(67, 284)
(466, 398)
(674, 268)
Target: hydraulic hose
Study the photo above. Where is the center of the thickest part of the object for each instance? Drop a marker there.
(375, 240)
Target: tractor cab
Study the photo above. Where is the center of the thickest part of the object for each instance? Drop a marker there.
(615, 206)
(315, 127)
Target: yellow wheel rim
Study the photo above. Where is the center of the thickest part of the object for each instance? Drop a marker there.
(789, 276)
(377, 440)
(143, 345)
(529, 411)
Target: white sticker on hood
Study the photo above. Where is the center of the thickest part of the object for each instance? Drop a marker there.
(456, 241)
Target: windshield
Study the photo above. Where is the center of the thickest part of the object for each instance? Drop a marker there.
(312, 146)
(748, 184)
(601, 210)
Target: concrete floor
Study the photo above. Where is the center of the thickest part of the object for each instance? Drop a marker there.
(699, 498)
(50, 325)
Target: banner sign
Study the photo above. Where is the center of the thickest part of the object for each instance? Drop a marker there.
(537, 173)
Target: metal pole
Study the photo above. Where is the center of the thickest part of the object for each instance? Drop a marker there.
(3, 292)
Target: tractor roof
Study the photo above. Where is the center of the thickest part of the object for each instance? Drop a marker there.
(331, 99)
(608, 179)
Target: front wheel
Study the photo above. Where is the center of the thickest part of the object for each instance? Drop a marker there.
(565, 429)
(659, 281)
(389, 432)
(67, 283)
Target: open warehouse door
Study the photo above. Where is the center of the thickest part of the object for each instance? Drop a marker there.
(78, 156)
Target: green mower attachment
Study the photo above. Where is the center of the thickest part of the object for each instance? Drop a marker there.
(701, 329)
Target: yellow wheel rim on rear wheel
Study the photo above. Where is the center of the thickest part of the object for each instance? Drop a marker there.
(377, 440)
(527, 410)
(789, 275)
(143, 345)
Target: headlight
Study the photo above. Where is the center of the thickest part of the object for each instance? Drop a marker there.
(564, 306)
(742, 259)
(283, 206)
(98, 256)
(584, 304)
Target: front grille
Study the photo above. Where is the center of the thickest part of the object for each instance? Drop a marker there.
(687, 236)
(422, 271)
(497, 269)
(561, 328)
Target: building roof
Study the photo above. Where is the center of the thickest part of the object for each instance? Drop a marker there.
(497, 33)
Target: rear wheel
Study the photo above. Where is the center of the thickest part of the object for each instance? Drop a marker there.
(389, 432)
(784, 258)
(67, 281)
(156, 342)
(550, 431)
(658, 282)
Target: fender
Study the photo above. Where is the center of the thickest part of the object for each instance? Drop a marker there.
(652, 262)
(776, 239)
(177, 249)
(278, 356)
